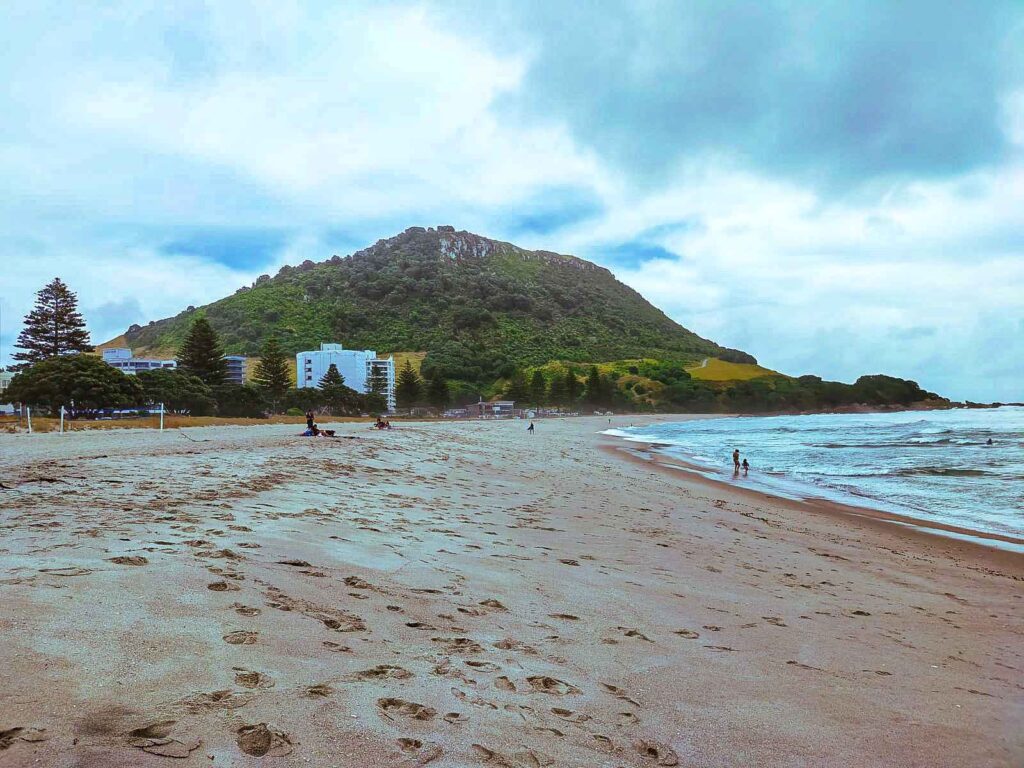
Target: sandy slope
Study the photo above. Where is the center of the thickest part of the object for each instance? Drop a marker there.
(464, 594)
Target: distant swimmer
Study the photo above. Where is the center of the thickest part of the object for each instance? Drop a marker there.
(989, 441)
(746, 467)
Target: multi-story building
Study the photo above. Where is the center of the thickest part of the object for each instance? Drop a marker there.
(122, 359)
(236, 368)
(355, 365)
(5, 382)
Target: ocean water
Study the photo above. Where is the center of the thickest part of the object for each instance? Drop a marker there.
(933, 465)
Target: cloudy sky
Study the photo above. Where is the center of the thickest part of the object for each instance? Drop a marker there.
(837, 188)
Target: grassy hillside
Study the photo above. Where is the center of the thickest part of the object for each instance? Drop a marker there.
(722, 370)
(478, 308)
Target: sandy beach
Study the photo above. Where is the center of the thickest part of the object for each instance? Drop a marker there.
(462, 594)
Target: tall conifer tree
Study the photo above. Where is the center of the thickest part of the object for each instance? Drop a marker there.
(572, 386)
(53, 327)
(272, 372)
(408, 387)
(538, 388)
(201, 355)
(437, 392)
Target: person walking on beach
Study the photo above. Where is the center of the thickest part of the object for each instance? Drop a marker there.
(530, 428)
(736, 461)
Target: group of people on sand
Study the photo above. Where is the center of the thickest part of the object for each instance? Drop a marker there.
(737, 465)
(312, 430)
(382, 424)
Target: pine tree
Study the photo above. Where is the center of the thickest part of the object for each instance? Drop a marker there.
(538, 388)
(376, 381)
(557, 394)
(272, 372)
(337, 396)
(437, 392)
(201, 354)
(408, 387)
(517, 389)
(53, 327)
(594, 395)
(572, 387)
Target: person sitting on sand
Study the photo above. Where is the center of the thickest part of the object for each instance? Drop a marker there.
(746, 467)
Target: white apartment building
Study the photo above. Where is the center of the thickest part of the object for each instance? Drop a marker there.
(354, 364)
(121, 358)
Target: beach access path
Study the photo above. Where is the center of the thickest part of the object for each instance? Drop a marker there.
(462, 593)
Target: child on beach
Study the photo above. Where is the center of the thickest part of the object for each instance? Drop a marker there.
(746, 466)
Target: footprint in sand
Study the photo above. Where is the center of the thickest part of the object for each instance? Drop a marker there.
(382, 672)
(568, 714)
(18, 733)
(247, 678)
(241, 638)
(545, 684)
(525, 759)
(156, 739)
(357, 583)
(129, 560)
(493, 605)
(504, 684)
(246, 610)
(459, 644)
(689, 634)
(620, 694)
(206, 702)
(69, 571)
(634, 633)
(411, 709)
(320, 690)
(222, 586)
(262, 740)
(422, 753)
(657, 753)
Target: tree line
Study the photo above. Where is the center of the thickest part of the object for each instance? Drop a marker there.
(54, 370)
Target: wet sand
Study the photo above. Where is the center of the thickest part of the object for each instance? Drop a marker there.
(462, 594)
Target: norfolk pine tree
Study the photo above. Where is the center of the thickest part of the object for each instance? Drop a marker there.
(201, 354)
(408, 387)
(53, 327)
(538, 388)
(272, 372)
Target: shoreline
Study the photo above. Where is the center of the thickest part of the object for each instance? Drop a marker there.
(648, 451)
(916, 529)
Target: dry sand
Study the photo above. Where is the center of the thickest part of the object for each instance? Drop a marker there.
(463, 594)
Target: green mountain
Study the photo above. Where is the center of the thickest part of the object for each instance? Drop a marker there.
(479, 308)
